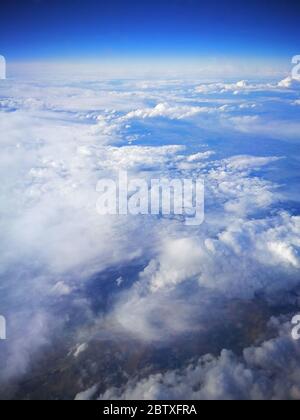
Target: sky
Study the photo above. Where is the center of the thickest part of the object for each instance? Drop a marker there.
(143, 306)
(72, 29)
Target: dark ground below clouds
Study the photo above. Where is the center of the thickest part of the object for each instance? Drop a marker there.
(110, 360)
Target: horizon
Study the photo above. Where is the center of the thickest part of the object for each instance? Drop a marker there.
(127, 68)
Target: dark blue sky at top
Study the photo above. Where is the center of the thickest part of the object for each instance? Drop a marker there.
(55, 29)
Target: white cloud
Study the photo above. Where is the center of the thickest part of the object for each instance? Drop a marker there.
(165, 110)
(141, 157)
(289, 83)
(256, 125)
(58, 140)
(242, 163)
(235, 88)
(246, 259)
(244, 86)
(81, 348)
(179, 261)
(266, 371)
(87, 394)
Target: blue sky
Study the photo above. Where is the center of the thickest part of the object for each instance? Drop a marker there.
(71, 29)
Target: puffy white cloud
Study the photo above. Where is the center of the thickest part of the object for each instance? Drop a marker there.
(266, 371)
(179, 261)
(235, 88)
(289, 83)
(199, 156)
(141, 157)
(87, 394)
(165, 110)
(243, 86)
(58, 140)
(246, 259)
(230, 255)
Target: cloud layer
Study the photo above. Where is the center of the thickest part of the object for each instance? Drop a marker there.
(151, 279)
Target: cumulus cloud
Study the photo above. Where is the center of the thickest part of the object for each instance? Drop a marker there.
(245, 260)
(244, 86)
(138, 158)
(179, 261)
(165, 110)
(230, 256)
(235, 88)
(59, 139)
(266, 371)
(267, 243)
(87, 394)
(289, 83)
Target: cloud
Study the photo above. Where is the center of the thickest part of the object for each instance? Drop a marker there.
(246, 259)
(139, 158)
(80, 349)
(86, 395)
(266, 371)
(59, 139)
(235, 88)
(289, 83)
(244, 86)
(230, 256)
(255, 125)
(242, 163)
(165, 110)
(179, 261)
